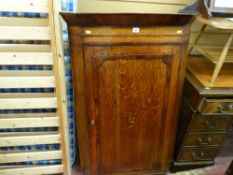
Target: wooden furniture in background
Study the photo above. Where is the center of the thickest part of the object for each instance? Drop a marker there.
(196, 7)
(216, 55)
(201, 69)
(128, 72)
(206, 114)
(45, 30)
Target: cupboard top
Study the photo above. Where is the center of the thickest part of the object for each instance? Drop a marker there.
(91, 20)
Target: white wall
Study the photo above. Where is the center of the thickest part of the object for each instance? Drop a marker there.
(131, 6)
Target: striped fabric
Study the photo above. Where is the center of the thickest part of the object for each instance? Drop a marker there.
(67, 5)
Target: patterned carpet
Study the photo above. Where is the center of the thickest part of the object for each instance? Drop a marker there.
(218, 169)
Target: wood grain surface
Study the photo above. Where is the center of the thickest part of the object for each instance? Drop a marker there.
(128, 87)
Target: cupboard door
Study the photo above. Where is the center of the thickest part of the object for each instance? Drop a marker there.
(131, 109)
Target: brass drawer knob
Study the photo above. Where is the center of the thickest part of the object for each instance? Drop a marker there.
(225, 108)
(200, 157)
(211, 124)
(202, 142)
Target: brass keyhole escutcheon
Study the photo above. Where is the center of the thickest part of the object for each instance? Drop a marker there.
(92, 122)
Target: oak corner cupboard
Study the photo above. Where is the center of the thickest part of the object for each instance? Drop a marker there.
(128, 72)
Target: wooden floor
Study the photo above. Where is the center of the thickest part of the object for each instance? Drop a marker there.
(223, 160)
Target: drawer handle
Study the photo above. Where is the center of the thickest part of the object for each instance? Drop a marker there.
(225, 108)
(195, 157)
(211, 125)
(209, 140)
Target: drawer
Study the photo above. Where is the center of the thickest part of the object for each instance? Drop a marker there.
(204, 139)
(210, 123)
(198, 154)
(223, 106)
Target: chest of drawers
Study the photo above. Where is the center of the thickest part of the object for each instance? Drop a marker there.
(205, 117)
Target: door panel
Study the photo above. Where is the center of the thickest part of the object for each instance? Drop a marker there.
(131, 107)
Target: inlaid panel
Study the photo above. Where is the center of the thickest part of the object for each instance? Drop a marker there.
(130, 106)
(130, 94)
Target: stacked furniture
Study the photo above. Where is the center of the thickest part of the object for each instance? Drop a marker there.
(206, 116)
(128, 72)
(207, 105)
(33, 115)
